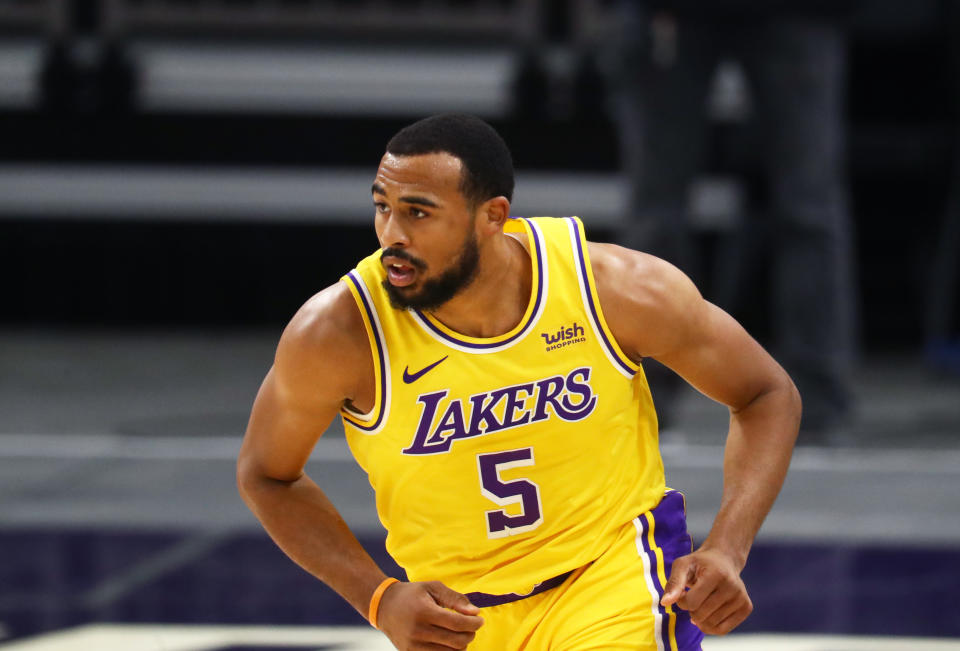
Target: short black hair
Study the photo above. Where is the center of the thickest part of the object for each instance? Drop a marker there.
(487, 163)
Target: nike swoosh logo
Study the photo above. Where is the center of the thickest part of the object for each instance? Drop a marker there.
(410, 378)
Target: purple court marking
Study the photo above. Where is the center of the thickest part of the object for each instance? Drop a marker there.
(822, 587)
(526, 327)
(582, 263)
(358, 283)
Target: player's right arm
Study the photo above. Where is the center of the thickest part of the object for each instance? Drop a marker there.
(323, 361)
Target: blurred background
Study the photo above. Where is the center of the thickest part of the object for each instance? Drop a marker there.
(178, 176)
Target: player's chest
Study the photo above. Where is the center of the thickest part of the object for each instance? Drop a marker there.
(442, 399)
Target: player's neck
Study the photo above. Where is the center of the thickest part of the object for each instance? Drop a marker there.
(496, 300)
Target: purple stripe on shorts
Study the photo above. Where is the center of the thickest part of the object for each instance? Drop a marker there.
(670, 535)
(484, 600)
(655, 576)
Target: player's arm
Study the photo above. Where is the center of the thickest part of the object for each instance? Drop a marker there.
(323, 361)
(655, 311)
(316, 368)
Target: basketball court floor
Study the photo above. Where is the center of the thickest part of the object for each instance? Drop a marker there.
(120, 526)
(125, 637)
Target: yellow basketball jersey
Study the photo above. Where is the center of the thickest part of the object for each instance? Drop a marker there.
(501, 462)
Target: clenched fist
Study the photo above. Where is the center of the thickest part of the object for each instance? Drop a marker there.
(427, 615)
(707, 584)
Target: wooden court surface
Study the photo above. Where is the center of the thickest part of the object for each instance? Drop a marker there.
(250, 638)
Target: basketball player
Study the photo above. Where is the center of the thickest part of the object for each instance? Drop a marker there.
(488, 373)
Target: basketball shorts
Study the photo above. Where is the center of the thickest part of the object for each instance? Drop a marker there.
(612, 603)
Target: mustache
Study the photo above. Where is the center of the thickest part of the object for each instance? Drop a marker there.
(403, 255)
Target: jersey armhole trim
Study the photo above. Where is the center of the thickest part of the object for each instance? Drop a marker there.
(591, 302)
(371, 422)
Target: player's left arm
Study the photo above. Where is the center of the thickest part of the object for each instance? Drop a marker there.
(655, 311)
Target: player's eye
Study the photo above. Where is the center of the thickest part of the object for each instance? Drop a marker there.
(417, 213)
(381, 207)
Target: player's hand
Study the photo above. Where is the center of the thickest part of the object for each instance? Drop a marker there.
(707, 584)
(427, 615)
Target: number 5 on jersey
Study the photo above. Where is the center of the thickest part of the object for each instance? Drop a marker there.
(518, 491)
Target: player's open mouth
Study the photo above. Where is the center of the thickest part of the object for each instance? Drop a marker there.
(400, 275)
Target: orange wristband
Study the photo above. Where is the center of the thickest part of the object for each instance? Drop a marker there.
(377, 596)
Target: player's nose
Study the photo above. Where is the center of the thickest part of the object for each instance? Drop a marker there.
(392, 233)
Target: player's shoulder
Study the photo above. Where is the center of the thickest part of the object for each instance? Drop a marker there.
(326, 333)
(646, 281)
(647, 302)
(329, 316)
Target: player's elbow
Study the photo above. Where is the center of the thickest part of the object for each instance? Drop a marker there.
(789, 406)
(778, 400)
(250, 477)
(789, 402)
(245, 476)
(795, 402)
(254, 482)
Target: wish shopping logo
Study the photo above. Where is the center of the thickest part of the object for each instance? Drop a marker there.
(564, 336)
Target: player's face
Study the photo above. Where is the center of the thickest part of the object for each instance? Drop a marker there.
(426, 229)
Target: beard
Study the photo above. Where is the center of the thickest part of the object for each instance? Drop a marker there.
(436, 291)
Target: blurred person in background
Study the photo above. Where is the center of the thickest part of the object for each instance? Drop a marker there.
(795, 59)
(942, 322)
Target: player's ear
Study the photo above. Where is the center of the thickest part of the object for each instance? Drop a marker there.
(493, 213)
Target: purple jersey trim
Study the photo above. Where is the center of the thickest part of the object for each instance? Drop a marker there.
(484, 600)
(358, 283)
(526, 327)
(582, 263)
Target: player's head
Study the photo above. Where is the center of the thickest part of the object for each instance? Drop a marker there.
(443, 188)
(487, 166)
